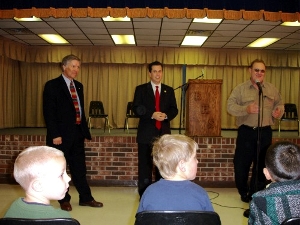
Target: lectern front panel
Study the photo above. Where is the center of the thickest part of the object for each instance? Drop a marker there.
(203, 108)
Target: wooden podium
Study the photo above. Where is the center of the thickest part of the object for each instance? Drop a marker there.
(203, 108)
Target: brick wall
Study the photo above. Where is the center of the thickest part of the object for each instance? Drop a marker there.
(112, 160)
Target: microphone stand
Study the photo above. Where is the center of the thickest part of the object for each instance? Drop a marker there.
(184, 88)
(258, 138)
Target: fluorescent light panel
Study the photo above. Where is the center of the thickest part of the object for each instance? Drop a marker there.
(108, 18)
(53, 38)
(263, 42)
(123, 39)
(291, 24)
(193, 40)
(30, 19)
(206, 20)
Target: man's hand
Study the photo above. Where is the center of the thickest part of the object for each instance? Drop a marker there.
(276, 113)
(57, 141)
(252, 108)
(159, 116)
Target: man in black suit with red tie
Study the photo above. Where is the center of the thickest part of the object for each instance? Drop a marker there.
(155, 104)
(63, 107)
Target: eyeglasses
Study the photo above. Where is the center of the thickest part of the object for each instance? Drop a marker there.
(258, 70)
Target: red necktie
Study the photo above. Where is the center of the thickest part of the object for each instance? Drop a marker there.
(157, 123)
(75, 102)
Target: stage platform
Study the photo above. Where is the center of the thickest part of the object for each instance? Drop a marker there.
(111, 158)
(132, 132)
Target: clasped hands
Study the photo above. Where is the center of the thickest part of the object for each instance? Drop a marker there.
(253, 108)
(159, 116)
(58, 141)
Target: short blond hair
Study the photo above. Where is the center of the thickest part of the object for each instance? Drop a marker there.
(32, 162)
(169, 150)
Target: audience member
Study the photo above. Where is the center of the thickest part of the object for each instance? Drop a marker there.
(175, 157)
(41, 171)
(281, 199)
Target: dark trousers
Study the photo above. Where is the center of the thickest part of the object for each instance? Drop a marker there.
(246, 154)
(145, 166)
(75, 157)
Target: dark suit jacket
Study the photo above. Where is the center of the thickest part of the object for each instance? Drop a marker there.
(59, 111)
(144, 107)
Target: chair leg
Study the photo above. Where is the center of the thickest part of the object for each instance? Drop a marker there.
(89, 123)
(108, 125)
(105, 123)
(127, 125)
(278, 127)
(124, 124)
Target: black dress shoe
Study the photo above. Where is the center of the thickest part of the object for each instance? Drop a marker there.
(246, 213)
(92, 203)
(245, 198)
(66, 206)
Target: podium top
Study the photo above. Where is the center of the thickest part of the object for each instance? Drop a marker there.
(205, 81)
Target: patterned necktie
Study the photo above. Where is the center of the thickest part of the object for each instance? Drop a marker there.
(75, 102)
(157, 97)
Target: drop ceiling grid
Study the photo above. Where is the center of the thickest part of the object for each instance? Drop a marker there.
(154, 32)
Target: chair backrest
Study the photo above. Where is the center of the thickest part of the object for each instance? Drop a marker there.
(96, 108)
(129, 111)
(290, 111)
(177, 218)
(292, 221)
(51, 221)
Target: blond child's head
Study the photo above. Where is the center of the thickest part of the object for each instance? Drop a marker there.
(41, 170)
(175, 156)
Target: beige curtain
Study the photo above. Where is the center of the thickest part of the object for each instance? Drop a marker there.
(110, 74)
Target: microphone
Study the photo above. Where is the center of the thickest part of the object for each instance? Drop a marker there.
(258, 85)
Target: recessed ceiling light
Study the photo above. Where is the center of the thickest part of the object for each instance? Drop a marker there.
(30, 19)
(108, 18)
(262, 42)
(193, 40)
(123, 39)
(292, 24)
(53, 38)
(206, 20)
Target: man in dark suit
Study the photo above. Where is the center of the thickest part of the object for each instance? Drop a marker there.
(154, 120)
(63, 107)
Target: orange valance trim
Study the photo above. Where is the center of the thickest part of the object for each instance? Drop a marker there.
(149, 12)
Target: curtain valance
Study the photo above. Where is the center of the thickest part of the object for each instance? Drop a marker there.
(150, 12)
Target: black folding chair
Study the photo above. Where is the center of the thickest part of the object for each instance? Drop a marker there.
(177, 218)
(50, 221)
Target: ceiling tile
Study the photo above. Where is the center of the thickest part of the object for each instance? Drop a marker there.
(203, 26)
(146, 32)
(147, 37)
(90, 24)
(35, 24)
(173, 32)
(68, 30)
(117, 25)
(88, 31)
(237, 27)
(147, 25)
(120, 31)
(63, 24)
(259, 28)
